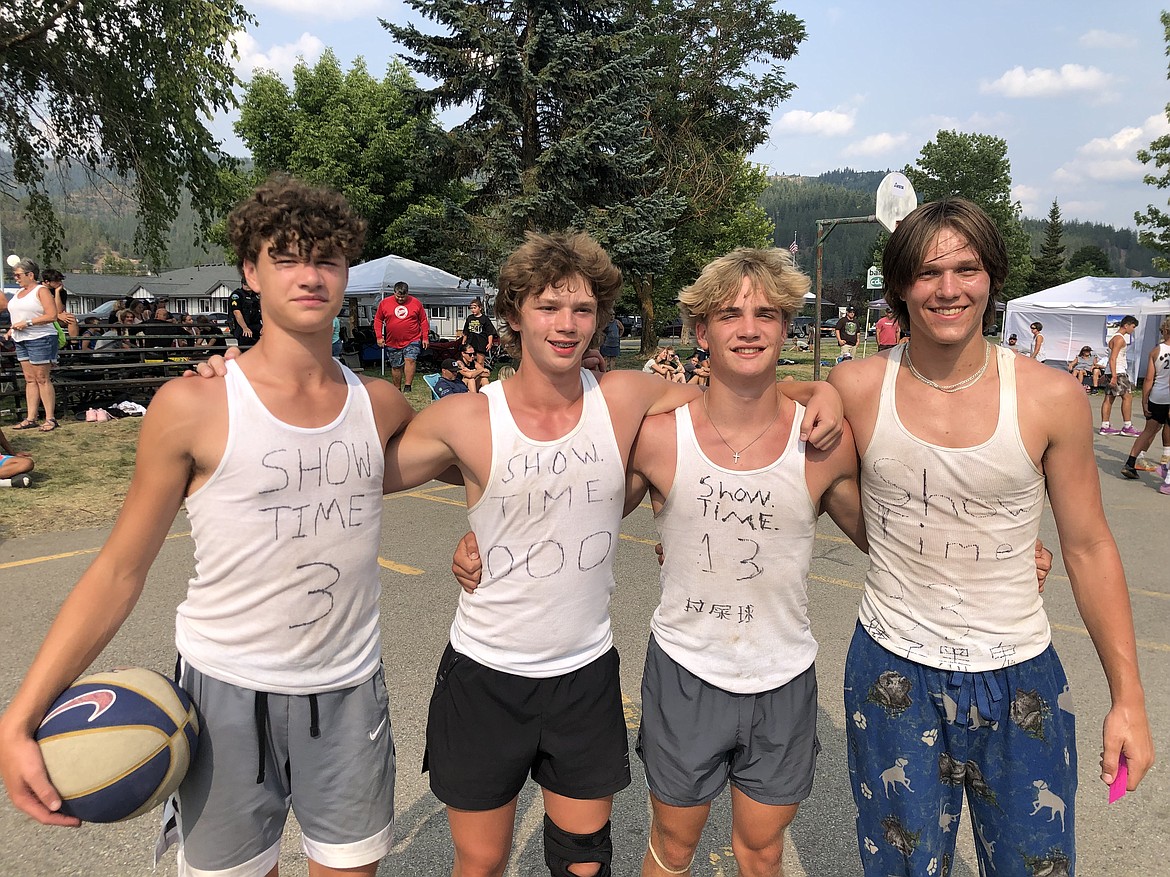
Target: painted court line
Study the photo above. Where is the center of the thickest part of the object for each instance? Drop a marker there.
(80, 552)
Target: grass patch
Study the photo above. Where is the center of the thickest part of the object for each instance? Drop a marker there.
(83, 469)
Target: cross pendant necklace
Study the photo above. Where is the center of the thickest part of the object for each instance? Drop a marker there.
(734, 453)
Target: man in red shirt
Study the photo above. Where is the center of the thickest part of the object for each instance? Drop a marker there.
(889, 332)
(401, 326)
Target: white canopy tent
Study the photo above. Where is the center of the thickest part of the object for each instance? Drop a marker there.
(443, 294)
(1087, 311)
(429, 284)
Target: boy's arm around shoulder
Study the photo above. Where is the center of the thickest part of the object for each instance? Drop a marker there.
(652, 461)
(841, 496)
(391, 410)
(824, 413)
(435, 439)
(108, 590)
(1093, 563)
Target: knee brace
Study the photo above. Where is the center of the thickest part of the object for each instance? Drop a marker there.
(561, 849)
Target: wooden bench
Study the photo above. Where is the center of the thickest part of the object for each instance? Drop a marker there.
(97, 378)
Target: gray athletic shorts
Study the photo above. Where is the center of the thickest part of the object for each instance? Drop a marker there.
(339, 783)
(694, 736)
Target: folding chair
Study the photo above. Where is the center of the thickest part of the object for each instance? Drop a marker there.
(431, 380)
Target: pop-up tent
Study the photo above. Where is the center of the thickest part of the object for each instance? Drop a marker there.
(444, 295)
(1087, 311)
(429, 284)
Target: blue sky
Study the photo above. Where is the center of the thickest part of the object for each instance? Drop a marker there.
(1074, 88)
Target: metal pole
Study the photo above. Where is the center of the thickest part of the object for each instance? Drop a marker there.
(824, 229)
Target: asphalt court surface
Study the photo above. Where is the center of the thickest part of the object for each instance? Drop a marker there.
(420, 529)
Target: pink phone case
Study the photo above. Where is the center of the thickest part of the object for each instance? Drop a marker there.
(1117, 787)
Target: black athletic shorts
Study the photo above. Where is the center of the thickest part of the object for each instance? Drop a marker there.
(1159, 413)
(487, 731)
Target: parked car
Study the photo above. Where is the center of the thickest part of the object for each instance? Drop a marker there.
(439, 349)
(671, 328)
(104, 312)
(631, 323)
(829, 327)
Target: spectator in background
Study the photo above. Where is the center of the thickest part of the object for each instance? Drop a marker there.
(92, 330)
(478, 331)
(505, 372)
(14, 465)
(244, 308)
(1119, 382)
(158, 332)
(449, 379)
(1086, 364)
(846, 333)
(33, 310)
(471, 372)
(55, 280)
(1013, 343)
(1155, 404)
(335, 343)
(889, 331)
(401, 326)
(1037, 341)
(611, 343)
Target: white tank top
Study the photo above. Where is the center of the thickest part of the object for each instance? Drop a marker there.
(734, 607)
(24, 307)
(547, 527)
(286, 530)
(952, 532)
(1122, 354)
(1160, 392)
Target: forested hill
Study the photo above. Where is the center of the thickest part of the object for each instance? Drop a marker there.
(99, 227)
(795, 203)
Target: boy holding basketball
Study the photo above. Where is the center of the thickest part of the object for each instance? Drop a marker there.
(280, 463)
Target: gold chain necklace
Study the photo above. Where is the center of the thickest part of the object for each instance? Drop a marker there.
(734, 453)
(949, 388)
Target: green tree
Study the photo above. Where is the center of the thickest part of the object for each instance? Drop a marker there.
(716, 74)
(1089, 261)
(1154, 224)
(123, 88)
(1048, 270)
(556, 137)
(364, 137)
(976, 166)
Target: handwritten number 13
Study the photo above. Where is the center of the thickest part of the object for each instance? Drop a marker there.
(747, 561)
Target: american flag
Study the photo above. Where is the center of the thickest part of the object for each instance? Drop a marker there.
(794, 247)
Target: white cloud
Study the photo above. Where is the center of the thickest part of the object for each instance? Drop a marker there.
(1045, 82)
(877, 144)
(1113, 158)
(1031, 199)
(331, 9)
(280, 59)
(826, 123)
(1103, 39)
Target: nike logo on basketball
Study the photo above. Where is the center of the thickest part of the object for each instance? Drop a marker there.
(99, 701)
(374, 733)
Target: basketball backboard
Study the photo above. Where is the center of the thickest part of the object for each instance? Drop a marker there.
(895, 199)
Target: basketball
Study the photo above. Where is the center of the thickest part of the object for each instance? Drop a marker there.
(117, 744)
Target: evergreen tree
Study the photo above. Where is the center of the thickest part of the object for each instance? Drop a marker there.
(557, 138)
(1090, 261)
(1154, 224)
(976, 166)
(1048, 269)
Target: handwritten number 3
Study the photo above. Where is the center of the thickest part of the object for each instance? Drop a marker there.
(324, 591)
(750, 561)
(747, 561)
